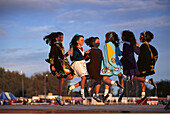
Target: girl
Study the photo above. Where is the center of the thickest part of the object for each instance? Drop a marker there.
(79, 66)
(94, 66)
(128, 60)
(146, 62)
(55, 40)
(110, 64)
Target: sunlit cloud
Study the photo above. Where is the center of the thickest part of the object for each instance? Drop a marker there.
(40, 28)
(143, 23)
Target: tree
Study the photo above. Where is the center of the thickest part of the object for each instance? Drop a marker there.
(12, 82)
(163, 88)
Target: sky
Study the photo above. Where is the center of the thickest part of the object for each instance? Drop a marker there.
(24, 23)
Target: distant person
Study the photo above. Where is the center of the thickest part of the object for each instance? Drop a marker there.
(10, 102)
(56, 58)
(1, 102)
(5, 102)
(24, 102)
(111, 64)
(146, 62)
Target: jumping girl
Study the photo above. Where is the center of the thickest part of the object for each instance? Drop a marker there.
(94, 66)
(111, 64)
(56, 55)
(78, 62)
(146, 62)
(130, 47)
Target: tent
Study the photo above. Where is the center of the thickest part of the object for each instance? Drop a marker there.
(7, 96)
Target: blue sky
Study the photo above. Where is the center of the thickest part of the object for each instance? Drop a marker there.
(23, 24)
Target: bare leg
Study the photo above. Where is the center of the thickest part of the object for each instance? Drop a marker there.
(106, 93)
(60, 86)
(142, 86)
(142, 80)
(106, 80)
(139, 78)
(83, 80)
(77, 84)
(121, 81)
(106, 86)
(97, 88)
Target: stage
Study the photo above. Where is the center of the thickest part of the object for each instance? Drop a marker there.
(83, 109)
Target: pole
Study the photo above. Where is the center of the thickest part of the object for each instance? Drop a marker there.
(45, 86)
(22, 84)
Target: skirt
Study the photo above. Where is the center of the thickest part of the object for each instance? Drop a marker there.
(79, 68)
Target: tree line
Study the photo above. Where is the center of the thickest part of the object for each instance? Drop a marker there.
(11, 81)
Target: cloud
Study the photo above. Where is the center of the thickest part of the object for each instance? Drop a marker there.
(22, 53)
(40, 28)
(57, 5)
(2, 32)
(28, 5)
(77, 16)
(29, 60)
(122, 5)
(143, 23)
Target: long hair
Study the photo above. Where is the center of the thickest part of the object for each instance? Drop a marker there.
(51, 38)
(128, 36)
(74, 40)
(112, 37)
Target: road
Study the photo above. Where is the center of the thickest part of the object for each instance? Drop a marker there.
(82, 109)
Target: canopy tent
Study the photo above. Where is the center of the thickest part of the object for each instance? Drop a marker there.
(7, 96)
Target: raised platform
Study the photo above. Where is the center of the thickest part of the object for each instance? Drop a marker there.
(83, 109)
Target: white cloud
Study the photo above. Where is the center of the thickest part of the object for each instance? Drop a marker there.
(56, 5)
(71, 21)
(143, 23)
(124, 5)
(77, 15)
(40, 28)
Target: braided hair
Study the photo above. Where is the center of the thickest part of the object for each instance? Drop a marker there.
(112, 37)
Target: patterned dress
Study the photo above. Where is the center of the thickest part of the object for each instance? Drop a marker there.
(59, 61)
(94, 66)
(56, 52)
(111, 64)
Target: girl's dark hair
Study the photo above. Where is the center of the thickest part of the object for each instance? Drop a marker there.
(90, 41)
(75, 39)
(128, 36)
(147, 36)
(112, 37)
(51, 38)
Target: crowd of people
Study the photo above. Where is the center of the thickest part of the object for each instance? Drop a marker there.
(104, 64)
